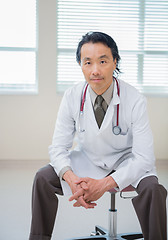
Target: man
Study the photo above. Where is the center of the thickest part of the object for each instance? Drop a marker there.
(114, 150)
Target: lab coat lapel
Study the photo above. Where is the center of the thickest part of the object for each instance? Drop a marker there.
(89, 113)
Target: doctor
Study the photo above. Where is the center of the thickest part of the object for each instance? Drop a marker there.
(114, 145)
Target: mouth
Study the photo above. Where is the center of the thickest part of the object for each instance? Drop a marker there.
(96, 79)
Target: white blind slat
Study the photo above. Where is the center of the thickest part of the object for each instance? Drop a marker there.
(140, 29)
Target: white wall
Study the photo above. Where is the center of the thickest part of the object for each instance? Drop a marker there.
(26, 128)
(27, 122)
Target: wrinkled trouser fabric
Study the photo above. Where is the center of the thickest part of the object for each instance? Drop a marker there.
(149, 204)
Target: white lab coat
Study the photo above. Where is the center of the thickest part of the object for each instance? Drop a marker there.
(99, 151)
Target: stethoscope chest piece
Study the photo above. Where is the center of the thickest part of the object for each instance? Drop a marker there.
(116, 130)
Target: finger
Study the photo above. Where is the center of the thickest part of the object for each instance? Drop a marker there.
(76, 195)
(87, 197)
(84, 185)
(86, 205)
(76, 204)
(82, 202)
(91, 205)
(80, 180)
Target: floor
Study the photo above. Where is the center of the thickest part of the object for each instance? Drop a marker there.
(16, 179)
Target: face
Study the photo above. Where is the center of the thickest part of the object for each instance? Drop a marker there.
(97, 65)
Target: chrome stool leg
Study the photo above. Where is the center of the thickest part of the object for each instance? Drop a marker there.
(112, 218)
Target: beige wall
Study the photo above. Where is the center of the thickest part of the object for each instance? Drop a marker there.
(27, 121)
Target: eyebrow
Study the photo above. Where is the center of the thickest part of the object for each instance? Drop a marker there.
(104, 56)
(88, 59)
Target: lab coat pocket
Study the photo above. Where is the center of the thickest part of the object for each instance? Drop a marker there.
(122, 140)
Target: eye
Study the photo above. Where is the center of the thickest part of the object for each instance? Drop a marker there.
(87, 63)
(103, 61)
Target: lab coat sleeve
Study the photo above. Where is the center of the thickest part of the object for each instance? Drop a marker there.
(63, 135)
(142, 160)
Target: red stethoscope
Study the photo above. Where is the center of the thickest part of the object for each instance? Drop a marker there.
(116, 129)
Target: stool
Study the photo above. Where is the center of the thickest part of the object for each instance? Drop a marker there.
(111, 234)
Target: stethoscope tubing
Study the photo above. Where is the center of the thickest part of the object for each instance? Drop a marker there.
(83, 98)
(118, 92)
(116, 129)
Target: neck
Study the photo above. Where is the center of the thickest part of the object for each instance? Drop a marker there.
(100, 91)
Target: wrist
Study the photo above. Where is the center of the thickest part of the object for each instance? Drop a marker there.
(64, 170)
(109, 183)
(69, 176)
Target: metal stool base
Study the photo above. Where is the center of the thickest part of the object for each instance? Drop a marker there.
(102, 234)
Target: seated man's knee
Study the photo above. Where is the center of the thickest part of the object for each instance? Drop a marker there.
(40, 175)
(151, 186)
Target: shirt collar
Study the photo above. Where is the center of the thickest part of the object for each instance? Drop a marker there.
(107, 95)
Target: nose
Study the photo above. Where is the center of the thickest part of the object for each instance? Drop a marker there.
(95, 70)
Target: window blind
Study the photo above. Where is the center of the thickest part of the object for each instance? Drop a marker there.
(139, 27)
(18, 47)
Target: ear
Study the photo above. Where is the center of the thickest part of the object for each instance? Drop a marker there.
(115, 63)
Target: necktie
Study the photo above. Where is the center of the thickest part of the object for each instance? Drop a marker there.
(99, 111)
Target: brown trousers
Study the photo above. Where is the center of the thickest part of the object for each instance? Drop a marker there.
(149, 204)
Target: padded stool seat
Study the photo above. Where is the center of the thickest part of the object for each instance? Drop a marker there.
(111, 234)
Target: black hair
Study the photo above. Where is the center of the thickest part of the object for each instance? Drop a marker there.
(96, 37)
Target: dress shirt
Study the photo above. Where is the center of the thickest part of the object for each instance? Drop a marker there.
(107, 95)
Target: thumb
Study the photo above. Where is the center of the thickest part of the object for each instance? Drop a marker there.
(84, 185)
(80, 180)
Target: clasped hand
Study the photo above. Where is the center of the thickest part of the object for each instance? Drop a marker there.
(87, 192)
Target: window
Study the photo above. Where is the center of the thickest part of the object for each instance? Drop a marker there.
(18, 47)
(139, 27)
